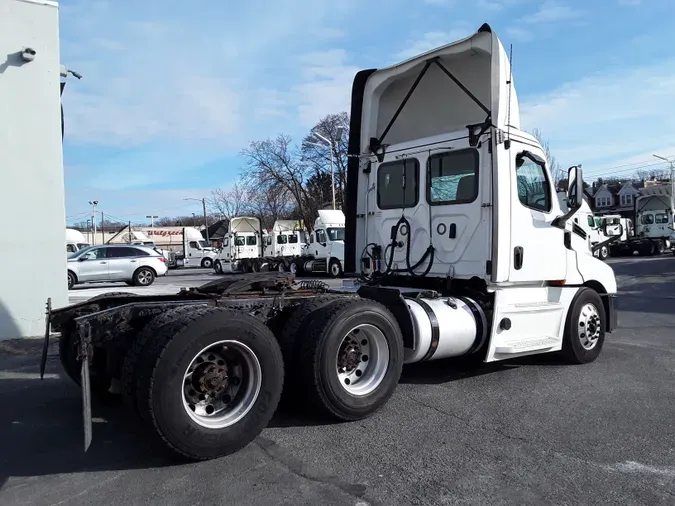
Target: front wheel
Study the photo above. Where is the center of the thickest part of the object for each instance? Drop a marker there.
(71, 280)
(349, 358)
(335, 269)
(585, 328)
(603, 253)
(218, 267)
(210, 382)
(660, 247)
(207, 263)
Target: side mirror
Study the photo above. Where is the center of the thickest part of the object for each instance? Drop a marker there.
(575, 195)
(82, 258)
(575, 188)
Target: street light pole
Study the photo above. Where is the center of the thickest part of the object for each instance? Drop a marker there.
(672, 181)
(93, 204)
(331, 146)
(152, 220)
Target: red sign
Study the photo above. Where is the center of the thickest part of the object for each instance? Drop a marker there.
(164, 233)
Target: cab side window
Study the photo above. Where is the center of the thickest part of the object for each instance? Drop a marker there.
(321, 235)
(533, 187)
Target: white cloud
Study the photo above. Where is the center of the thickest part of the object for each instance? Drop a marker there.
(603, 120)
(552, 11)
(520, 34)
(327, 86)
(432, 40)
(163, 72)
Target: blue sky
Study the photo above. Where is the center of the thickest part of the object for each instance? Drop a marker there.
(172, 91)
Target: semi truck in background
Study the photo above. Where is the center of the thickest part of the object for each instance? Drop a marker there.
(241, 247)
(285, 249)
(649, 229)
(459, 243)
(325, 249)
(75, 241)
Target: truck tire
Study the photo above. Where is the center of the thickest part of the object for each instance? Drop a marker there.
(585, 328)
(660, 247)
(603, 253)
(130, 363)
(334, 268)
(350, 358)
(209, 384)
(288, 327)
(218, 267)
(207, 263)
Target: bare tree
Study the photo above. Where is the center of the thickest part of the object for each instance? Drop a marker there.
(557, 172)
(274, 165)
(318, 157)
(657, 174)
(229, 203)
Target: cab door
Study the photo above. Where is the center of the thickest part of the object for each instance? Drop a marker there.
(537, 247)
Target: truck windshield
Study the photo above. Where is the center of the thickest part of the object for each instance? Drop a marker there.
(204, 244)
(647, 219)
(282, 239)
(661, 218)
(239, 241)
(336, 234)
(293, 239)
(251, 240)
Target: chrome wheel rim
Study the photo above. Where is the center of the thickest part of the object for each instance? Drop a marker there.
(221, 384)
(144, 277)
(362, 359)
(281, 267)
(588, 326)
(334, 269)
(294, 268)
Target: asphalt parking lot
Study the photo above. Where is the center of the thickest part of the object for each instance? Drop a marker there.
(531, 431)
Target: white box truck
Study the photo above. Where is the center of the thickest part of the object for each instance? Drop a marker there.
(454, 231)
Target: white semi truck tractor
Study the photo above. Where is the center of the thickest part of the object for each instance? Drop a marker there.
(75, 241)
(457, 238)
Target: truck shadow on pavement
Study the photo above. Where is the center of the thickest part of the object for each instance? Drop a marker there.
(41, 428)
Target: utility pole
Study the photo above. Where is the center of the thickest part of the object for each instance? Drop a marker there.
(93, 204)
(206, 224)
(102, 229)
(152, 220)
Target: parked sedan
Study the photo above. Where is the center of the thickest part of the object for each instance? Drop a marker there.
(134, 264)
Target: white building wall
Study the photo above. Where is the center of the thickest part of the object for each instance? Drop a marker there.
(32, 266)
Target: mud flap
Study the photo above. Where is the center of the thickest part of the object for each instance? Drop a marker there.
(45, 346)
(85, 339)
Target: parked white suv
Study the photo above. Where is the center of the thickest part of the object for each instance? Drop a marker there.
(134, 264)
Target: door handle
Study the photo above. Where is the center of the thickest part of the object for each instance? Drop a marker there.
(518, 255)
(104, 262)
(133, 261)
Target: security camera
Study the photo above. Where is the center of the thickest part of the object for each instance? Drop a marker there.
(28, 54)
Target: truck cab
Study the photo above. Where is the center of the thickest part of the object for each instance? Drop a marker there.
(286, 239)
(327, 241)
(242, 243)
(198, 252)
(75, 241)
(449, 191)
